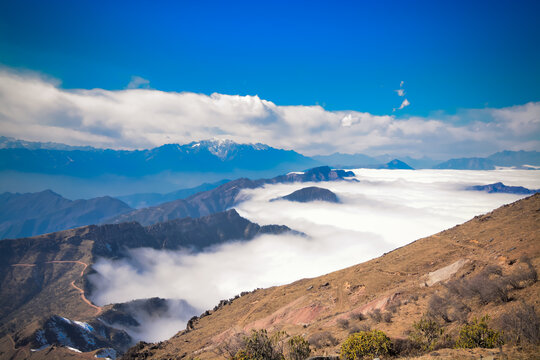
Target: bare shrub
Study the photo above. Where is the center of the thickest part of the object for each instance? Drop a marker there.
(488, 286)
(387, 317)
(343, 323)
(405, 348)
(520, 325)
(230, 347)
(375, 315)
(448, 308)
(394, 306)
(525, 275)
(322, 339)
(358, 316)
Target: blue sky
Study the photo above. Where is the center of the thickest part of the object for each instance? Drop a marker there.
(342, 55)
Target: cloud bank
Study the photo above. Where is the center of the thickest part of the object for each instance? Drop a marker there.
(37, 109)
(385, 210)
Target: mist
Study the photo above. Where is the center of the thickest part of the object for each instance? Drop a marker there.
(385, 209)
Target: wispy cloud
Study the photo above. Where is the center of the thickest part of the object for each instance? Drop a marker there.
(33, 108)
(404, 103)
(138, 82)
(401, 93)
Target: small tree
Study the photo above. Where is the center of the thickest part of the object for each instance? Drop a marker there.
(365, 343)
(426, 333)
(479, 334)
(298, 348)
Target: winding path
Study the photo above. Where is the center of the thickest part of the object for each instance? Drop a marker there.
(81, 291)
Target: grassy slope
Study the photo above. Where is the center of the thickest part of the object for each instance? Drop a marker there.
(308, 306)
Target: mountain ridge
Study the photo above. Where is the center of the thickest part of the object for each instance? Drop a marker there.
(401, 283)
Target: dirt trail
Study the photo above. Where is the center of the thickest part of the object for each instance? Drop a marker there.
(18, 349)
(81, 291)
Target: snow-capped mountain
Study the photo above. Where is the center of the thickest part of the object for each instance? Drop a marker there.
(215, 156)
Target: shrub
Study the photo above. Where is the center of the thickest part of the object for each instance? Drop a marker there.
(298, 348)
(520, 325)
(259, 346)
(448, 308)
(387, 317)
(405, 347)
(525, 275)
(358, 316)
(426, 333)
(365, 343)
(322, 339)
(343, 323)
(375, 315)
(478, 334)
(230, 347)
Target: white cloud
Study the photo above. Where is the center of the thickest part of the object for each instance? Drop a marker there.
(404, 103)
(385, 210)
(138, 82)
(36, 109)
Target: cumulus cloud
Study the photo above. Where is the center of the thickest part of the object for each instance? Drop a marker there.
(384, 210)
(37, 109)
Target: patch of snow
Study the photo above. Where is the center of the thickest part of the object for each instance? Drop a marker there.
(296, 173)
(73, 349)
(196, 145)
(42, 347)
(84, 325)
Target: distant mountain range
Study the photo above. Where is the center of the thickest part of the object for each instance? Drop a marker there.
(31, 214)
(138, 201)
(505, 158)
(217, 156)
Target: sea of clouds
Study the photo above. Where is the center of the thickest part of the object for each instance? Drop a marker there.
(385, 209)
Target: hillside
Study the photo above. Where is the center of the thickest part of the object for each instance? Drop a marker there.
(43, 281)
(31, 214)
(428, 274)
(222, 197)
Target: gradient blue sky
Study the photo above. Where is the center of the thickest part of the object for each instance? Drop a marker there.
(342, 55)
